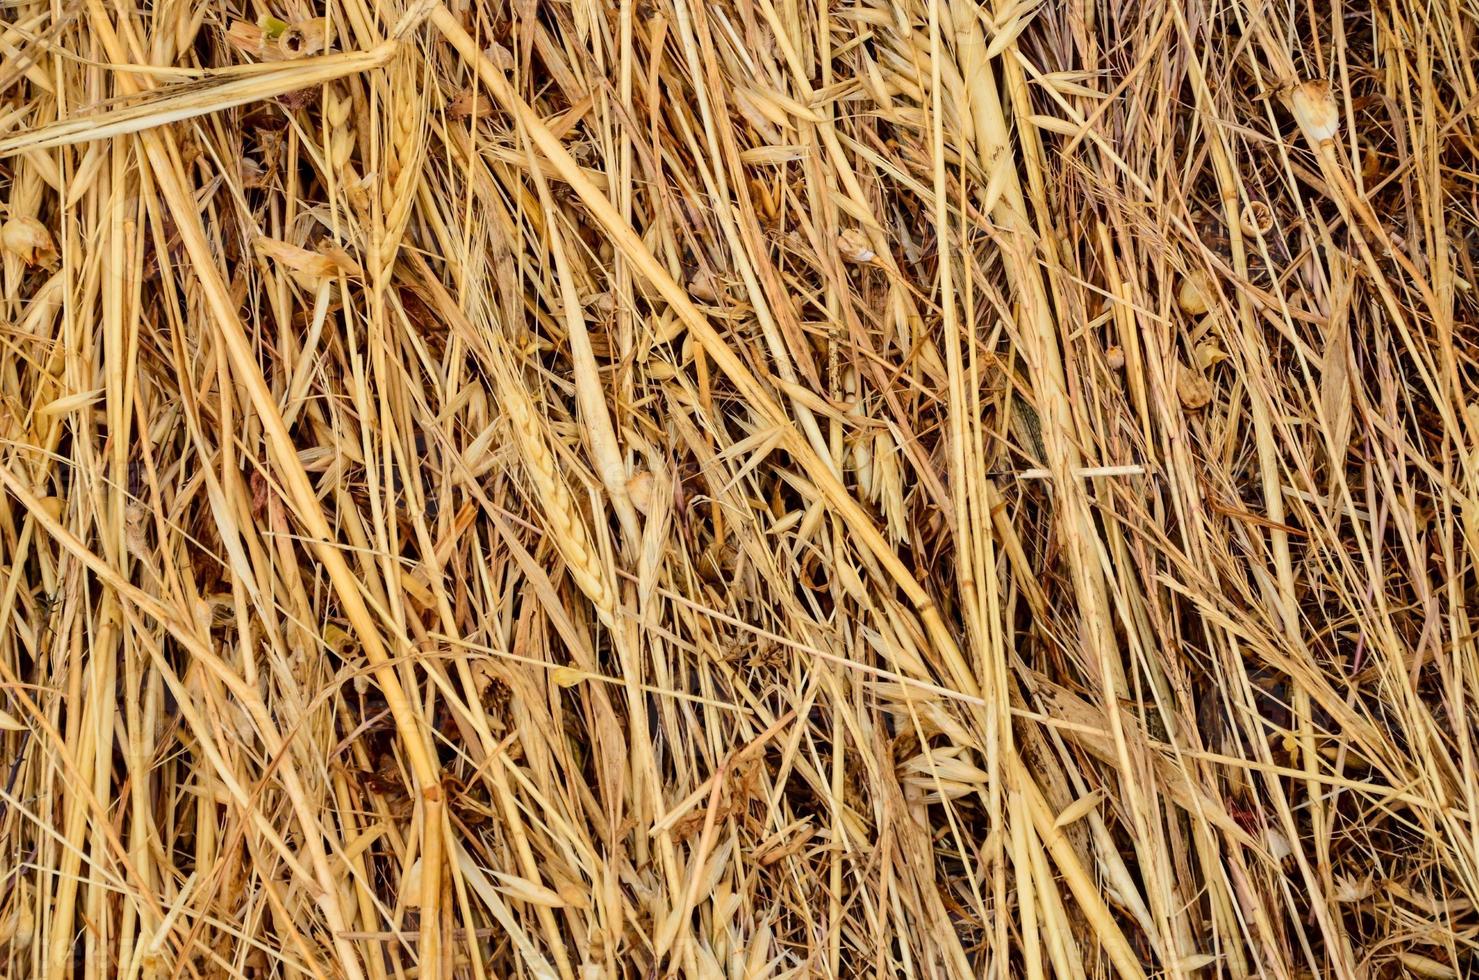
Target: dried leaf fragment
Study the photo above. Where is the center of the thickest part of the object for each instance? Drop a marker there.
(1314, 109)
(1257, 219)
(566, 676)
(1425, 966)
(273, 39)
(854, 247)
(1350, 890)
(1193, 388)
(28, 239)
(1208, 355)
(640, 489)
(309, 267)
(1195, 294)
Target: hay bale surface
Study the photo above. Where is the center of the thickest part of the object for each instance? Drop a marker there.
(643, 488)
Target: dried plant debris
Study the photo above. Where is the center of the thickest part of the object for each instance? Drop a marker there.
(649, 489)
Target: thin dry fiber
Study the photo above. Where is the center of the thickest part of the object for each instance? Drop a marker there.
(739, 489)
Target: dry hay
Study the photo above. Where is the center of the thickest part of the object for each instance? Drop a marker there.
(743, 489)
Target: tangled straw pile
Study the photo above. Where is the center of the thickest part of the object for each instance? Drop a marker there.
(643, 488)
